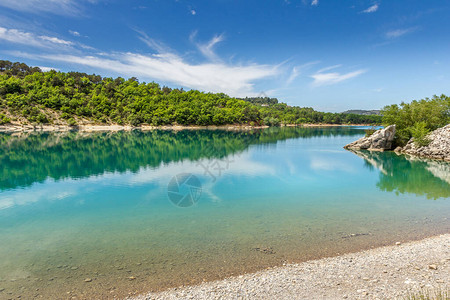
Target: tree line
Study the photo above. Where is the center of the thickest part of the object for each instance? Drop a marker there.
(28, 95)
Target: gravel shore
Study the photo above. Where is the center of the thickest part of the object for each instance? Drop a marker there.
(390, 272)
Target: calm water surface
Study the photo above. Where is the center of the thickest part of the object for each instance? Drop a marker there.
(141, 211)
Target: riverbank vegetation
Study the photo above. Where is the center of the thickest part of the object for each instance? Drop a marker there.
(30, 96)
(418, 118)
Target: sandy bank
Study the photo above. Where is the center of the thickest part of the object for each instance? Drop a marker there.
(382, 273)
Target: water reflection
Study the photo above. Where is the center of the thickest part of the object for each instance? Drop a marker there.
(35, 157)
(405, 174)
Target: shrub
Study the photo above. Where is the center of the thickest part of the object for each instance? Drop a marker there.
(270, 121)
(370, 131)
(4, 119)
(72, 122)
(419, 132)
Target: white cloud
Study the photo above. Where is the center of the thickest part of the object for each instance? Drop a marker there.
(392, 34)
(63, 7)
(46, 69)
(371, 9)
(207, 49)
(167, 66)
(153, 44)
(235, 80)
(294, 74)
(26, 38)
(74, 33)
(297, 70)
(328, 78)
(193, 12)
(315, 2)
(329, 68)
(54, 40)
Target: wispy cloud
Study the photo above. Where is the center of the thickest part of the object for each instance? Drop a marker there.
(236, 80)
(26, 38)
(392, 34)
(315, 2)
(165, 65)
(322, 77)
(59, 7)
(371, 9)
(152, 43)
(294, 74)
(297, 70)
(207, 49)
(329, 68)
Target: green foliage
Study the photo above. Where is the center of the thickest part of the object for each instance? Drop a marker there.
(4, 119)
(71, 122)
(369, 132)
(430, 113)
(270, 121)
(429, 295)
(419, 132)
(31, 93)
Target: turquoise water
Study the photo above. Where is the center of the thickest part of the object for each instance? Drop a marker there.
(100, 206)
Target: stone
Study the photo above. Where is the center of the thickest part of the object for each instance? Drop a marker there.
(380, 140)
(88, 280)
(438, 148)
(398, 243)
(132, 278)
(432, 267)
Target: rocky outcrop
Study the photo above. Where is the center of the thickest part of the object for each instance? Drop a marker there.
(380, 140)
(438, 148)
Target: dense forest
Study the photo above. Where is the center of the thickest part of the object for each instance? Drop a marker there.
(418, 118)
(30, 96)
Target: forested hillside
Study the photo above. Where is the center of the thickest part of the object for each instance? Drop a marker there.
(30, 96)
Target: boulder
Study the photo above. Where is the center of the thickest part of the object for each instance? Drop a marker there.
(380, 140)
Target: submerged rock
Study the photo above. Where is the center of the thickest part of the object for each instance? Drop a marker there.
(380, 140)
(438, 148)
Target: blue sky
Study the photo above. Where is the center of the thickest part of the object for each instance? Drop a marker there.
(327, 54)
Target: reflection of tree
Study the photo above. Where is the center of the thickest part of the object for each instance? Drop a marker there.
(29, 158)
(402, 174)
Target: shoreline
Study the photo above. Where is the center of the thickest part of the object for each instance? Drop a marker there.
(389, 272)
(113, 128)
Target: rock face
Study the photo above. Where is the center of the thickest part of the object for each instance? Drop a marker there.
(380, 140)
(439, 147)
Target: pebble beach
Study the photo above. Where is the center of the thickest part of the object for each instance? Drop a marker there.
(392, 272)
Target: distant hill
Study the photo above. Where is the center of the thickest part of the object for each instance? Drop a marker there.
(363, 112)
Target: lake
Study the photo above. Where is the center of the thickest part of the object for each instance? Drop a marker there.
(143, 211)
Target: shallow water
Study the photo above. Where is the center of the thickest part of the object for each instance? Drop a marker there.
(105, 206)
